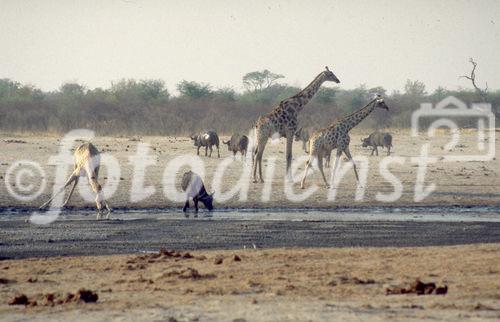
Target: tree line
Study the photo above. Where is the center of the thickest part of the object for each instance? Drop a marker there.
(146, 107)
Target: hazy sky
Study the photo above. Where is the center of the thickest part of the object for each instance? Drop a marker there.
(47, 43)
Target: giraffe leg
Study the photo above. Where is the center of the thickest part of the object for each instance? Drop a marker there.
(260, 166)
(348, 154)
(74, 175)
(108, 209)
(320, 166)
(98, 198)
(254, 163)
(376, 150)
(96, 187)
(289, 142)
(99, 202)
(327, 159)
(308, 164)
(258, 161)
(75, 182)
(336, 165)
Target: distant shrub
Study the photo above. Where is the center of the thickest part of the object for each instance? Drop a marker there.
(145, 107)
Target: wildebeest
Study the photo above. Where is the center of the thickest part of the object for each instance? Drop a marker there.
(195, 189)
(207, 139)
(378, 139)
(87, 163)
(237, 143)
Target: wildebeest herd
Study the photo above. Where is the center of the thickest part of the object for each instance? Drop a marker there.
(280, 122)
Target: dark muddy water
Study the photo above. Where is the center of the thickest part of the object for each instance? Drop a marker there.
(78, 233)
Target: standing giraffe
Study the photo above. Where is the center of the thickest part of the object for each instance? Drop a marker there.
(336, 136)
(87, 162)
(282, 121)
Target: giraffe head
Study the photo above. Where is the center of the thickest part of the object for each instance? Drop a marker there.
(380, 103)
(330, 76)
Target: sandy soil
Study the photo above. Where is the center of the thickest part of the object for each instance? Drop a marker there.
(457, 182)
(274, 284)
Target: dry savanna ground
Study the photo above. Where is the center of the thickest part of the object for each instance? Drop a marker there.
(456, 182)
(259, 285)
(254, 284)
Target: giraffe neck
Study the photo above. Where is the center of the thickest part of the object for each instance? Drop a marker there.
(358, 116)
(305, 95)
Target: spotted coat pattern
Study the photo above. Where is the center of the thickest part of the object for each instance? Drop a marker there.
(87, 163)
(282, 121)
(336, 136)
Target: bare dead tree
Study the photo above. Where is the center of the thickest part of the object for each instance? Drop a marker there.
(482, 92)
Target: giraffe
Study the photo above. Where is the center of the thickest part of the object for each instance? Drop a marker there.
(87, 162)
(304, 134)
(282, 121)
(336, 136)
